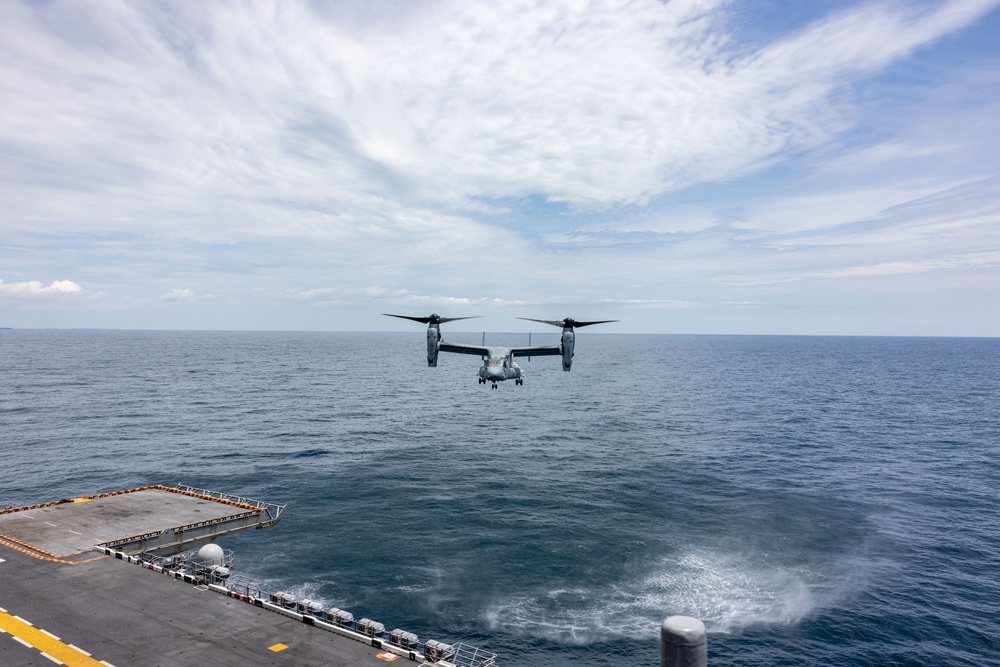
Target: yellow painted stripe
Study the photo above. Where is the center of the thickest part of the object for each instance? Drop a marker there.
(45, 642)
(35, 552)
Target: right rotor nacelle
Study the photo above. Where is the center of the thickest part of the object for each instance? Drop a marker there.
(568, 335)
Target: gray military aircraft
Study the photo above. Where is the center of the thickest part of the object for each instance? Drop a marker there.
(498, 362)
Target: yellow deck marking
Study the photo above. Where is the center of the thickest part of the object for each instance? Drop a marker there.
(159, 487)
(41, 554)
(51, 648)
(387, 656)
(277, 647)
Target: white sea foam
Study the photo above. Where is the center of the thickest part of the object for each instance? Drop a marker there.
(727, 592)
(415, 589)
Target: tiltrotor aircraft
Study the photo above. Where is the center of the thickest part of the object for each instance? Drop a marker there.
(498, 362)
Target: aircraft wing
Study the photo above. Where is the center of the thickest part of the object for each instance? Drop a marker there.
(536, 351)
(478, 350)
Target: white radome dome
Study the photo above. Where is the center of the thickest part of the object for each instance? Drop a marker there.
(211, 553)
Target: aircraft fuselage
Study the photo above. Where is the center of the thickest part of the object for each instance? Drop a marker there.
(498, 369)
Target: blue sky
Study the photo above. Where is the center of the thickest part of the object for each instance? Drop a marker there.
(691, 166)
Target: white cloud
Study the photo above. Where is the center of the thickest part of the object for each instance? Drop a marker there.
(594, 104)
(327, 294)
(653, 303)
(965, 262)
(969, 261)
(866, 36)
(443, 300)
(271, 120)
(467, 154)
(833, 208)
(33, 288)
(179, 295)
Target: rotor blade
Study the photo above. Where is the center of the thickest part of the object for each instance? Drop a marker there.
(424, 320)
(567, 322)
(436, 319)
(555, 323)
(587, 324)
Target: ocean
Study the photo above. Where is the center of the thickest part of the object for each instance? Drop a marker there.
(814, 500)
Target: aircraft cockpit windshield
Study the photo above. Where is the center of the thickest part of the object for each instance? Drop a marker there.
(497, 362)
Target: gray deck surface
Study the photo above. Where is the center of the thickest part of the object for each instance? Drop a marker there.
(127, 616)
(70, 528)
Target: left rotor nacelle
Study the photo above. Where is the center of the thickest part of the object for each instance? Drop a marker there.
(433, 344)
(433, 323)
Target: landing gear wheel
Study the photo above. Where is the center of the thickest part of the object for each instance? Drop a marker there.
(494, 386)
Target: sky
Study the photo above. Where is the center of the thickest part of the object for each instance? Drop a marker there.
(683, 166)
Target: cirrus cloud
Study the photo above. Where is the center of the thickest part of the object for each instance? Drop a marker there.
(546, 152)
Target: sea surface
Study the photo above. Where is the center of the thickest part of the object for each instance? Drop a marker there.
(815, 500)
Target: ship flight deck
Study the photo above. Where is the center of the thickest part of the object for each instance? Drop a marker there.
(82, 584)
